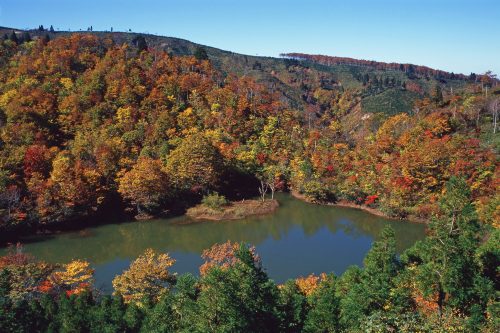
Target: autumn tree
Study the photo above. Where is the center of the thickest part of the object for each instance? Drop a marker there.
(195, 164)
(147, 278)
(76, 277)
(224, 256)
(25, 274)
(145, 185)
(494, 107)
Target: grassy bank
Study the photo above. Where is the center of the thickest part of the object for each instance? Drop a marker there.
(233, 210)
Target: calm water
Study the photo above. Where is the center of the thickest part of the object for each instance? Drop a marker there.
(298, 239)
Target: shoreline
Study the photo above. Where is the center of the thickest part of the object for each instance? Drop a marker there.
(347, 204)
(217, 216)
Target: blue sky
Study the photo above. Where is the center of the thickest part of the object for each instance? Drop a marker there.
(455, 35)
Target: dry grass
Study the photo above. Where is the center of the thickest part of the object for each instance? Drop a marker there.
(233, 211)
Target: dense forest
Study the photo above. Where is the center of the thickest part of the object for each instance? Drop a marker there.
(88, 126)
(93, 128)
(445, 283)
(407, 68)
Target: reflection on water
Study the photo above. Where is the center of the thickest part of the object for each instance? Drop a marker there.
(298, 239)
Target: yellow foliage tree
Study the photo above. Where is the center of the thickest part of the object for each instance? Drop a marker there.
(307, 285)
(75, 275)
(194, 163)
(145, 185)
(148, 277)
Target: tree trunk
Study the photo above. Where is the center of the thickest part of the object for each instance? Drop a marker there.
(263, 190)
(441, 296)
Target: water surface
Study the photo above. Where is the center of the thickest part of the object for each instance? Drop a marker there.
(298, 239)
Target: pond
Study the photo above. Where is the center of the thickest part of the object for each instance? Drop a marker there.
(298, 239)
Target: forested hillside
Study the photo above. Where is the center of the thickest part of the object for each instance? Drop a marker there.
(89, 125)
(299, 77)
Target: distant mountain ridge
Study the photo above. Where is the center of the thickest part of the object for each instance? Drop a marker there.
(404, 67)
(377, 87)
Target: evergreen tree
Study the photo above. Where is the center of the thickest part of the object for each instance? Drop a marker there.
(366, 78)
(13, 37)
(437, 95)
(447, 257)
(107, 316)
(185, 302)
(50, 309)
(51, 29)
(133, 318)
(371, 290)
(74, 313)
(140, 43)
(161, 318)
(7, 316)
(292, 306)
(410, 72)
(200, 53)
(324, 315)
(45, 39)
(25, 38)
(238, 298)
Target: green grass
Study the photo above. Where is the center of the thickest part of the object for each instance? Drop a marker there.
(390, 102)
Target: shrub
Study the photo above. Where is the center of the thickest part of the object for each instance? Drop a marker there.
(214, 201)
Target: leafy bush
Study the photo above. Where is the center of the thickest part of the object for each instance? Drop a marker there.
(317, 191)
(214, 201)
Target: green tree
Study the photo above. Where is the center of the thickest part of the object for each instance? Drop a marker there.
(134, 317)
(74, 314)
(161, 318)
(371, 289)
(448, 267)
(186, 306)
(140, 43)
(238, 298)
(13, 37)
(200, 53)
(292, 305)
(7, 315)
(107, 316)
(25, 38)
(437, 94)
(324, 315)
